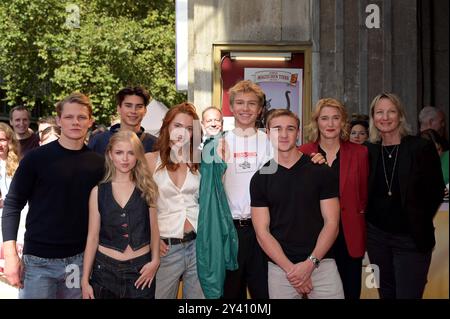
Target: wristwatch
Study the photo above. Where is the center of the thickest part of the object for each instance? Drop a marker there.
(314, 260)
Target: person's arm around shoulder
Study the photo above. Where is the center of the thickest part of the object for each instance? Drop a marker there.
(91, 244)
(148, 271)
(309, 150)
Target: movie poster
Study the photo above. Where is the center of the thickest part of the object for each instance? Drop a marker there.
(283, 87)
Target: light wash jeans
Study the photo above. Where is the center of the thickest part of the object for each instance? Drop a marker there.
(326, 282)
(52, 278)
(180, 261)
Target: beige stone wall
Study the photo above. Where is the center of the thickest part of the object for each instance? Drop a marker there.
(237, 21)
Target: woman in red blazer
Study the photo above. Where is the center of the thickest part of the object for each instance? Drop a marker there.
(328, 134)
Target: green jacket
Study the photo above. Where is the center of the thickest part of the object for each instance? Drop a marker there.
(444, 164)
(217, 241)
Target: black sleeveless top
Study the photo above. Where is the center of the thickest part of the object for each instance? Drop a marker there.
(125, 226)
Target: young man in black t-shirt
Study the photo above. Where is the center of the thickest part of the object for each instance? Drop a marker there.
(56, 180)
(295, 213)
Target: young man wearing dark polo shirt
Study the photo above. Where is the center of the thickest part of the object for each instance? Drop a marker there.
(295, 213)
(56, 180)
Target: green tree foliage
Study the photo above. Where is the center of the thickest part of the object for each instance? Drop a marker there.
(51, 48)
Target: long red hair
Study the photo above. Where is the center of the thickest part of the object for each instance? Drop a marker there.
(163, 143)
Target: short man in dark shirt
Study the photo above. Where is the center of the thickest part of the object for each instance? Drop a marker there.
(131, 106)
(19, 118)
(56, 180)
(295, 213)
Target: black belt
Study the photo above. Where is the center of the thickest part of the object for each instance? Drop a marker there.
(175, 241)
(243, 222)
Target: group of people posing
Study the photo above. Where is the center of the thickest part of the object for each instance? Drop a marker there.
(237, 213)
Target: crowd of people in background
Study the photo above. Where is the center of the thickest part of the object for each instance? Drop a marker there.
(244, 213)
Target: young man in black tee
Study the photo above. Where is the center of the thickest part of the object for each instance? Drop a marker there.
(295, 213)
(56, 180)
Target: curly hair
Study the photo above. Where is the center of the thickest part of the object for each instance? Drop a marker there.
(140, 174)
(312, 130)
(163, 144)
(12, 159)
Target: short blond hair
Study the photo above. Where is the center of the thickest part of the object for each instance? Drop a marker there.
(281, 112)
(75, 97)
(247, 86)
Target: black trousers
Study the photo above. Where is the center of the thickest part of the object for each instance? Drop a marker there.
(402, 268)
(252, 271)
(349, 268)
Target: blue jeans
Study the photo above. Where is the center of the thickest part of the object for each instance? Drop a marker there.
(180, 261)
(114, 279)
(52, 278)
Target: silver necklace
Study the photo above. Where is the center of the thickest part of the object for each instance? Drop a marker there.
(391, 152)
(389, 184)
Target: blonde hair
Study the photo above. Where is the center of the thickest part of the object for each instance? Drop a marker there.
(12, 159)
(374, 134)
(247, 86)
(312, 130)
(75, 97)
(140, 174)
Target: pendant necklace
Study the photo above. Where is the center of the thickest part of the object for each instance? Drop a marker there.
(391, 152)
(389, 183)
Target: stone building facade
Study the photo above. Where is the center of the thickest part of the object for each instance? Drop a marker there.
(354, 56)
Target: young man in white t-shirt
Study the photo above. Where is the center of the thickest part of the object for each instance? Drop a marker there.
(248, 149)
